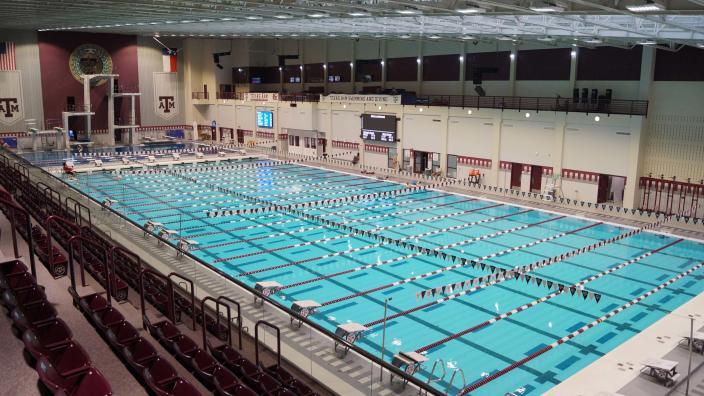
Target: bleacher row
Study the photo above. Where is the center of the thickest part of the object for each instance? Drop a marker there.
(222, 369)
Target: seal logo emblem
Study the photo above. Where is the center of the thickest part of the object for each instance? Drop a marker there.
(90, 59)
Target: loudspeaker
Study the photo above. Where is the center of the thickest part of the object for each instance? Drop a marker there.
(608, 95)
(595, 95)
(479, 90)
(585, 95)
(575, 95)
(477, 77)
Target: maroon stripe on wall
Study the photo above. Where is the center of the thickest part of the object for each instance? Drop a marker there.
(599, 64)
(402, 69)
(544, 64)
(500, 60)
(441, 68)
(685, 65)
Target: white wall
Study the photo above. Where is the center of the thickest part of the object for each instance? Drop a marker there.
(527, 142)
(27, 53)
(346, 125)
(586, 142)
(470, 136)
(424, 132)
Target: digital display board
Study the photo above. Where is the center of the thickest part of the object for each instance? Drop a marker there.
(265, 119)
(379, 127)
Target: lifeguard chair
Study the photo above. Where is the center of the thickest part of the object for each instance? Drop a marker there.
(474, 175)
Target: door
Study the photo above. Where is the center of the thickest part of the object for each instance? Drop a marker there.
(240, 136)
(516, 171)
(420, 161)
(536, 178)
(602, 194)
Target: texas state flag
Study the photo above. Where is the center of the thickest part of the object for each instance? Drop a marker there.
(169, 59)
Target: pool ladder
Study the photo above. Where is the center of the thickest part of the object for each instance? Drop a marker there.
(431, 378)
(452, 378)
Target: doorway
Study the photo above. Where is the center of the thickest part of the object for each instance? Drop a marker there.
(516, 172)
(536, 178)
(240, 136)
(610, 188)
(420, 161)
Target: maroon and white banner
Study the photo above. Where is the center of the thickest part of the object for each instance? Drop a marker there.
(345, 145)
(474, 161)
(580, 175)
(372, 148)
(11, 99)
(166, 104)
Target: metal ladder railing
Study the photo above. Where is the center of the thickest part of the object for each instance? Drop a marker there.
(452, 378)
(432, 373)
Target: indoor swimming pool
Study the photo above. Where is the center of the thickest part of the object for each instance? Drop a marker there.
(402, 247)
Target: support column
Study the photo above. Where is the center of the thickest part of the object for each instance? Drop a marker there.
(463, 54)
(325, 67)
(512, 70)
(383, 63)
(573, 68)
(352, 67)
(419, 75)
(492, 176)
(638, 130)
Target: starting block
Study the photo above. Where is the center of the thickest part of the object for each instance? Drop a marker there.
(107, 202)
(98, 162)
(176, 156)
(166, 234)
(408, 362)
(304, 308)
(350, 332)
(185, 245)
(151, 158)
(267, 288)
(150, 226)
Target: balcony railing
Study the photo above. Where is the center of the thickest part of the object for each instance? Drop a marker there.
(199, 95)
(608, 106)
(227, 95)
(302, 97)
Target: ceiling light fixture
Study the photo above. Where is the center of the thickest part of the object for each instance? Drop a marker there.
(546, 39)
(283, 16)
(593, 40)
(647, 42)
(547, 8)
(408, 12)
(358, 14)
(434, 37)
(254, 17)
(471, 10)
(317, 15)
(647, 7)
(468, 37)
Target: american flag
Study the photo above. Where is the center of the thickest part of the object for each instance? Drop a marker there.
(7, 56)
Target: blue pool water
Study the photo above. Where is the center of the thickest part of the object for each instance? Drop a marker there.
(321, 266)
(55, 158)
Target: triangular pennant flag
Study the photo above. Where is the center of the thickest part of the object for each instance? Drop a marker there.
(585, 294)
(573, 290)
(597, 297)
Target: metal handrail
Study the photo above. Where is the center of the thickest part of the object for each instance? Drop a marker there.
(452, 378)
(111, 263)
(217, 314)
(193, 295)
(48, 226)
(239, 320)
(15, 208)
(256, 341)
(81, 262)
(172, 304)
(78, 210)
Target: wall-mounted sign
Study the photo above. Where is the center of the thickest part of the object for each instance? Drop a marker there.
(261, 96)
(376, 99)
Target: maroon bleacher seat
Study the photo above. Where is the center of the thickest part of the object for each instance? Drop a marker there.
(139, 354)
(225, 354)
(68, 360)
(41, 340)
(17, 282)
(204, 365)
(93, 303)
(122, 334)
(23, 297)
(158, 373)
(163, 330)
(224, 382)
(179, 387)
(107, 318)
(183, 347)
(90, 383)
(236, 390)
(33, 315)
(243, 368)
(300, 388)
(11, 268)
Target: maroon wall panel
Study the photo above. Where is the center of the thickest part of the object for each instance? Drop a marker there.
(58, 83)
(685, 65)
(268, 75)
(313, 72)
(341, 69)
(543, 64)
(402, 69)
(441, 68)
(368, 70)
(609, 63)
(500, 60)
(292, 74)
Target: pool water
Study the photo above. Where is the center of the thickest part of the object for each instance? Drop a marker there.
(107, 154)
(352, 274)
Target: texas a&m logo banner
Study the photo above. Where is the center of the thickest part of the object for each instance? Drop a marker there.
(11, 101)
(166, 104)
